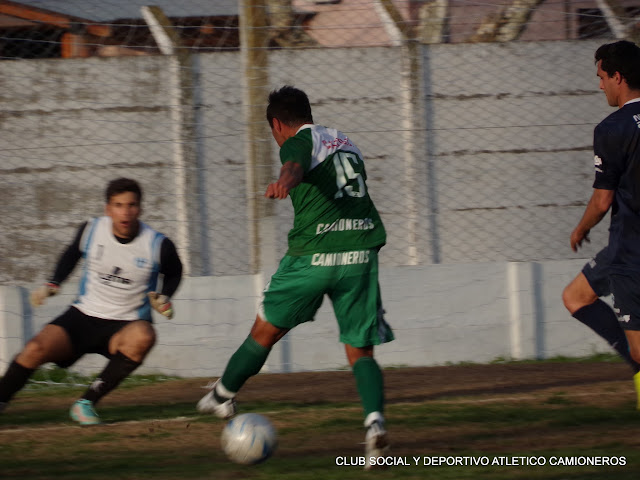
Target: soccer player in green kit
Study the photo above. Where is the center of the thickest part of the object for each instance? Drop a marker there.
(333, 250)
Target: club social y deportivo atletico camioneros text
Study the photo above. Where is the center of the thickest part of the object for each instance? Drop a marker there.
(477, 461)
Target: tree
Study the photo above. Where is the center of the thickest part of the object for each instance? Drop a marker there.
(284, 31)
(432, 21)
(507, 24)
(620, 23)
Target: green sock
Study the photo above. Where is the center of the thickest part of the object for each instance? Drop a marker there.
(370, 384)
(246, 362)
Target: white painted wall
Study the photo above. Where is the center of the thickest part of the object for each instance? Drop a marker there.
(440, 314)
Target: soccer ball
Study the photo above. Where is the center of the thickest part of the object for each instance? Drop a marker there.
(249, 438)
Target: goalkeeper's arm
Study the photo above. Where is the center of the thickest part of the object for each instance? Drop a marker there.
(64, 267)
(171, 269)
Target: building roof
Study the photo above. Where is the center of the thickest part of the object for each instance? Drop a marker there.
(109, 10)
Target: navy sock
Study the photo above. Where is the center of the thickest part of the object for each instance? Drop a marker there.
(14, 379)
(118, 368)
(601, 318)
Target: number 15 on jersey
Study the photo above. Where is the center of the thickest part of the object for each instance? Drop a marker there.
(349, 179)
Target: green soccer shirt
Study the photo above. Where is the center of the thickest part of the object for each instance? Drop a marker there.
(332, 207)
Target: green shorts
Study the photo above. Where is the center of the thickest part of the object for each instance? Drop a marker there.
(350, 279)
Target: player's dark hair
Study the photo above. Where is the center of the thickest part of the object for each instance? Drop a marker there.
(623, 57)
(290, 105)
(122, 185)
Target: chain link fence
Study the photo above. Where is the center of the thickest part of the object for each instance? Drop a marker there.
(477, 144)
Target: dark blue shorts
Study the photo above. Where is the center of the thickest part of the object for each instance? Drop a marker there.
(597, 272)
(88, 334)
(626, 299)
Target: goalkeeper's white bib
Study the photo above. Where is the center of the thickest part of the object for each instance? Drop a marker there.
(116, 277)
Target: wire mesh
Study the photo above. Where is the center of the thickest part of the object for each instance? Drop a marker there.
(477, 149)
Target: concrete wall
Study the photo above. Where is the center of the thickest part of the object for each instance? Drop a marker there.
(492, 163)
(440, 314)
(479, 182)
(511, 146)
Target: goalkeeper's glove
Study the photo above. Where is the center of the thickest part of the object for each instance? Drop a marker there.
(40, 294)
(161, 304)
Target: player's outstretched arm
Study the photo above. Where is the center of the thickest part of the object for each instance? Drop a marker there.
(39, 295)
(64, 267)
(161, 304)
(171, 270)
(597, 208)
(291, 175)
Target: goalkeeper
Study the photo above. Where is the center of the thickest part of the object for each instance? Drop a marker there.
(111, 315)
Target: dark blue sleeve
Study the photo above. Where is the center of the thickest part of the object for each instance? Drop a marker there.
(608, 159)
(68, 259)
(170, 267)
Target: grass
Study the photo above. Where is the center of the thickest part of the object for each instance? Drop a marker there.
(169, 440)
(595, 357)
(53, 376)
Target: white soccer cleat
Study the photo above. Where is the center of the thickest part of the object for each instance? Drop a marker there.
(376, 444)
(209, 404)
(83, 412)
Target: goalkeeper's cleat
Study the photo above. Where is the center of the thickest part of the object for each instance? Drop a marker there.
(376, 444)
(636, 381)
(82, 412)
(221, 409)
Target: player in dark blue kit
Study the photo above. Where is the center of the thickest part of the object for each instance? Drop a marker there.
(582, 297)
(616, 146)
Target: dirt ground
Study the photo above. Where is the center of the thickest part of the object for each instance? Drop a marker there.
(589, 382)
(415, 384)
(606, 385)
